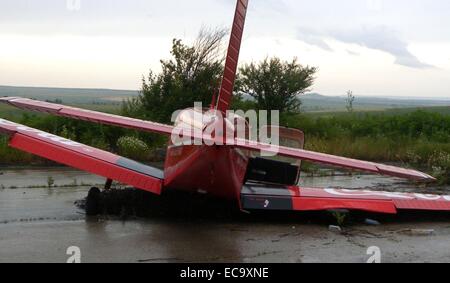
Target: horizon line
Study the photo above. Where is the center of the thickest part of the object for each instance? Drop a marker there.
(309, 93)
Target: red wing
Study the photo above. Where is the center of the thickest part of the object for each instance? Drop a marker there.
(260, 197)
(336, 161)
(83, 157)
(87, 115)
(231, 64)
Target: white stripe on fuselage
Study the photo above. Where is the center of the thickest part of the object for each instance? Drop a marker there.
(366, 193)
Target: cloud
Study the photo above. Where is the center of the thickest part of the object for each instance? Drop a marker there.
(353, 53)
(383, 39)
(277, 6)
(313, 37)
(378, 38)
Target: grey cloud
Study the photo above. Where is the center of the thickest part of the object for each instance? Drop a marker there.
(313, 37)
(378, 38)
(383, 39)
(263, 6)
(353, 53)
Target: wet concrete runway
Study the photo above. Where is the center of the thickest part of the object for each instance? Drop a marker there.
(38, 225)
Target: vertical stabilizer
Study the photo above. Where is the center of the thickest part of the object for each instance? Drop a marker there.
(231, 64)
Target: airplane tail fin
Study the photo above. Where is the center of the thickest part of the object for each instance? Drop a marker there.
(231, 64)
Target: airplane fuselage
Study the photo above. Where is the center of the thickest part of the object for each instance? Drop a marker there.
(216, 170)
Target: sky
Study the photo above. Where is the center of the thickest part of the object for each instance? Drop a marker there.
(372, 47)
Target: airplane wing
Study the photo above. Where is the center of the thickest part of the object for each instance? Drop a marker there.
(120, 121)
(332, 160)
(262, 197)
(87, 115)
(83, 157)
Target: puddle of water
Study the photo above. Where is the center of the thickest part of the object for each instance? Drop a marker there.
(38, 177)
(348, 182)
(32, 205)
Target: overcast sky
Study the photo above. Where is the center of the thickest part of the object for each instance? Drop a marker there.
(373, 47)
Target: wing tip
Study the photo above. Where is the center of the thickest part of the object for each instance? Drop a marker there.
(429, 179)
(7, 99)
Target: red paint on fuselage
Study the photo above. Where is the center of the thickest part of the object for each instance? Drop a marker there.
(216, 170)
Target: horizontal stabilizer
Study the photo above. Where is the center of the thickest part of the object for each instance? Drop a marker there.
(83, 157)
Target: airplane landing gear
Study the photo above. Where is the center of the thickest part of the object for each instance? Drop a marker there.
(94, 198)
(93, 202)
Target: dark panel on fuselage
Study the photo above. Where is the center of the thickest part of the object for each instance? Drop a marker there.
(266, 197)
(271, 171)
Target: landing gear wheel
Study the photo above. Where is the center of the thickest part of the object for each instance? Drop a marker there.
(93, 202)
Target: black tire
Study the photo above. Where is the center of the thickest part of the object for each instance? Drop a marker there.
(93, 202)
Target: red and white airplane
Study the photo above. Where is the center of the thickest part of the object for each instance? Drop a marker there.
(228, 171)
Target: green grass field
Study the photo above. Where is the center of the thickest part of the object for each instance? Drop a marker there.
(444, 110)
(12, 113)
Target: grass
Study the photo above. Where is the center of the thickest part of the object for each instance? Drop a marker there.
(12, 113)
(444, 110)
(382, 149)
(11, 156)
(9, 112)
(413, 138)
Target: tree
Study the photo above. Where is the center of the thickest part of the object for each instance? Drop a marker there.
(276, 84)
(349, 101)
(192, 75)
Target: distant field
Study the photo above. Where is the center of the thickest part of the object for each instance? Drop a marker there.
(445, 110)
(69, 95)
(319, 103)
(110, 100)
(9, 112)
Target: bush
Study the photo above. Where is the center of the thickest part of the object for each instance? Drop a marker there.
(420, 138)
(9, 155)
(440, 163)
(133, 148)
